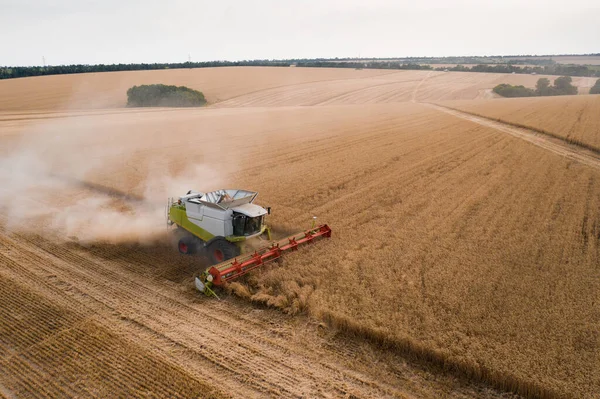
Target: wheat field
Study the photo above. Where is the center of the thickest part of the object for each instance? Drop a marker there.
(573, 118)
(463, 263)
(256, 86)
(476, 248)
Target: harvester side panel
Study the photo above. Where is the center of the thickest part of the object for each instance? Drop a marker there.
(179, 216)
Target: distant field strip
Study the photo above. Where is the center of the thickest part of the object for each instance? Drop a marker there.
(545, 141)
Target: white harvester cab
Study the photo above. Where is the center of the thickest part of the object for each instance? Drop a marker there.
(218, 222)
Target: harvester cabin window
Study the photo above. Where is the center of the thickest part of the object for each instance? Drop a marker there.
(253, 225)
(245, 226)
(239, 222)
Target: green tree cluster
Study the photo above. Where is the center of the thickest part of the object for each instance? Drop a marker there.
(595, 88)
(159, 95)
(562, 86)
(506, 90)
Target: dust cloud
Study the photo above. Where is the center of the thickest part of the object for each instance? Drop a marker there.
(47, 187)
(116, 218)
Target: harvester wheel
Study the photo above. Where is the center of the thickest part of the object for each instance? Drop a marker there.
(187, 245)
(221, 250)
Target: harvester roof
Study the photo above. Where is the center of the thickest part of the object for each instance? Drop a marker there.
(224, 199)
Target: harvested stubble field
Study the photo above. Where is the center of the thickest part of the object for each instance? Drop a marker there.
(455, 244)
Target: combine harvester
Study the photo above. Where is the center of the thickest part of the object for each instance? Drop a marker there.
(219, 224)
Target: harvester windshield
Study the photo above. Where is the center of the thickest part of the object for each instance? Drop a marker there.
(245, 226)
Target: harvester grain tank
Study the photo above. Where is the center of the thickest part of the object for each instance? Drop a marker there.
(220, 224)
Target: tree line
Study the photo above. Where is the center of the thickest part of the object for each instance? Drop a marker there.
(361, 65)
(562, 86)
(21, 72)
(554, 69)
(549, 68)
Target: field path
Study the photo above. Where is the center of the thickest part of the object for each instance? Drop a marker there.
(413, 98)
(555, 145)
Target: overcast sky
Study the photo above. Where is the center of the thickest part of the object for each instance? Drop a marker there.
(127, 31)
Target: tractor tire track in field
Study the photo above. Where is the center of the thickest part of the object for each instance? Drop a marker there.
(415, 92)
(261, 94)
(558, 146)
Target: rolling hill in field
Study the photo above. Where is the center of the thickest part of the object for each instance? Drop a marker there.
(463, 263)
(258, 86)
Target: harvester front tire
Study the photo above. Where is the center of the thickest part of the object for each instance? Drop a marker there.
(187, 245)
(221, 250)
